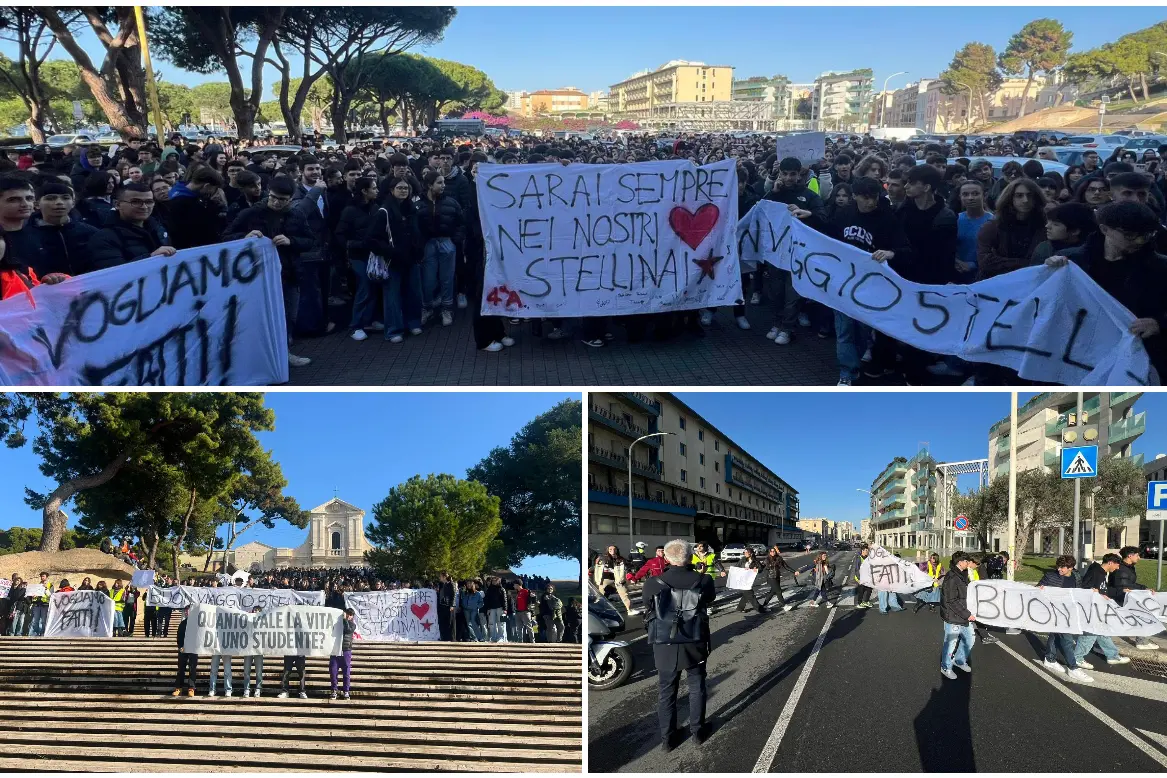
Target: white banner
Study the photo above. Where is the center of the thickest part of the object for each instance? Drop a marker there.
(809, 147)
(1073, 611)
(608, 240)
(5, 586)
(34, 589)
(290, 630)
(1050, 325)
(740, 578)
(142, 579)
(1154, 603)
(87, 614)
(229, 597)
(209, 316)
(886, 572)
(396, 614)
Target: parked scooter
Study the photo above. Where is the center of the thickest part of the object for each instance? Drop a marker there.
(609, 661)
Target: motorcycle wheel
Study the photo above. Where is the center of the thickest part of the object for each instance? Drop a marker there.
(615, 670)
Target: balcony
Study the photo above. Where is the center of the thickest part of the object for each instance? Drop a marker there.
(1128, 428)
(1120, 398)
(617, 459)
(1002, 444)
(641, 402)
(613, 496)
(618, 423)
(1054, 428)
(901, 513)
(1052, 458)
(894, 467)
(1002, 468)
(1138, 459)
(918, 526)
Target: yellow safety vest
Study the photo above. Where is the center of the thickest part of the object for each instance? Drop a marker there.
(935, 574)
(118, 596)
(973, 575)
(709, 560)
(43, 599)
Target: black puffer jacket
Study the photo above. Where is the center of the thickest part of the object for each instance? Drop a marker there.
(401, 220)
(355, 225)
(443, 219)
(194, 220)
(954, 597)
(123, 242)
(1122, 579)
(289, 222)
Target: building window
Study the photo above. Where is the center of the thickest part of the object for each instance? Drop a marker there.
(684, 476)
(716, 467)
(683, 450)
(717, 445)
(336, 541)
(701, 458)
(607, 525)
(717, 488)
(660, 495)
(702, 482)
(680, 529)
(700, 434)
(681, 421)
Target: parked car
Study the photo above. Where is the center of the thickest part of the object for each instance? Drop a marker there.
(733, 552)
(1150, 550)
(1139, 145)
(59, 141)
(1099, 142)
(758, 549)
(999, 163)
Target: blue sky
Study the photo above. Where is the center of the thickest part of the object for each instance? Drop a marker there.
(542, 47)
(360, 444)
(828, 444)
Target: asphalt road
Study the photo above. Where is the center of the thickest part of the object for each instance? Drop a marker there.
(871, 699)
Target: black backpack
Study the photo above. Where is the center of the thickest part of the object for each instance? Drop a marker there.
(677, 616)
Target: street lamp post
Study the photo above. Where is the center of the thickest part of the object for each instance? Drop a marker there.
(871, 508)
(883, 95)
(968, 114)
(642, 437)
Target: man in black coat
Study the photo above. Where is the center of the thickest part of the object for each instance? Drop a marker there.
(954, 612)
(685, 648)
(1125, 579)
(64, 238)
(133, 234)
(447, 605)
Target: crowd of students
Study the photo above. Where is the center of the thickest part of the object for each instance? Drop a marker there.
(937, 213)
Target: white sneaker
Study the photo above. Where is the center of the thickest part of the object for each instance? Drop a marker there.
(1053, 667)
(844, 382)
(866, 355)
(1085, 664)
(359, 335)
(782, 338)
(462, 301)
(397, 339)
(830, 605)
(948, 674)
(1122, 660)
(494, 346)
(303, 695)
(282, 695)
(258, 692)
(773, 333)
(706, 318)
(964, 667)
(447, 318)
(1079, 676)
(508, 341)
(633, 611)
(787, 607)
(742, 322)
(803, 320)
(415, 331)
(227, 693)
(247, 692)
(296, 361)
(1012, 631)
(426, 314)
(211, 693)
(755, 298)
(376, 327)
(1147, 646)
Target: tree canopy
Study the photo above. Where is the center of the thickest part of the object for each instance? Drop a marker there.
(1039, 47)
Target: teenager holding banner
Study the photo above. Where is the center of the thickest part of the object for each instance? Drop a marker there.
(958, 620)
(343, 662)
(188, 664)
(1062, 577)
(1095, 578)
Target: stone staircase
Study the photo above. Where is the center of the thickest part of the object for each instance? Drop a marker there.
(104, 705)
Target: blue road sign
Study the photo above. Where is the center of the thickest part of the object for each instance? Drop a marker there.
(961, 523)
(1080, 462)
(1157, 495)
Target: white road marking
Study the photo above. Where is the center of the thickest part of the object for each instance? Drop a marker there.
(1122, 731)
(766, 758)
(1160, 739)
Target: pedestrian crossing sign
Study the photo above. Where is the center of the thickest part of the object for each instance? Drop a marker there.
(1080, 462)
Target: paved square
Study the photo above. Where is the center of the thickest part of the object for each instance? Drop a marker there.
(445, 356)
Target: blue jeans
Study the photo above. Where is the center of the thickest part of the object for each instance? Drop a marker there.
(929, 595)
(889, 601)
(472, 624)
(1060, 641)
(958, 644)
(225, 660)
(1086, 645)
(850, 343)
(40, 615)
(363, 304)
(402, 300)
(438, 274)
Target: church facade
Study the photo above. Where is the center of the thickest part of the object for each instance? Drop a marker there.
(336, 538)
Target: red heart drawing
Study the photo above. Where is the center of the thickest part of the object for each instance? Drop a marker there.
(694, 227)
(420, 608)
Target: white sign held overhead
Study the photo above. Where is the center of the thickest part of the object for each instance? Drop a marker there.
(809, 147)
(1083, 339)
(608, 240)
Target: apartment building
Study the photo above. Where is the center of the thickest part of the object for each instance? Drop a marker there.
(1155, 470)
(764, 89)
(1039, 445)
(841, 101)
(865, 530)
(693, 483)
(676, 81)
(558, 100)
(823, 528)
(904, 497)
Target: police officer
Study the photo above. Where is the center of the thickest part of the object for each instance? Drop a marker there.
(637, 558)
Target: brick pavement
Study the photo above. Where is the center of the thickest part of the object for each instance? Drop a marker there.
(445, 356)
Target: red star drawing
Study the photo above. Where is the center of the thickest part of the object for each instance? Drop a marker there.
(427, 625)
(707, 265)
